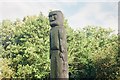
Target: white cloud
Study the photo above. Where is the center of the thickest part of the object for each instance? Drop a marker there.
(13, 10)
(92, 14)
(59, 0)
(85, 0)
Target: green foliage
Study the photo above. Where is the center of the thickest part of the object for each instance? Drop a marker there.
(7, 72)
(92, 51)
(29, 47)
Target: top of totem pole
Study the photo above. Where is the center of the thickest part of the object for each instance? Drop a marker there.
(56, 18)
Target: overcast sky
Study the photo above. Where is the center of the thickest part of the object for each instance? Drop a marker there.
(79, 13)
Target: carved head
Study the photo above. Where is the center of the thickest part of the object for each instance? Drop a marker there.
(56, 18)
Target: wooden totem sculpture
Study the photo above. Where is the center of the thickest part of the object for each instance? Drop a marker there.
(58, 48)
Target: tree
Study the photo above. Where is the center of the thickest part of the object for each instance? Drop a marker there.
(93, 51)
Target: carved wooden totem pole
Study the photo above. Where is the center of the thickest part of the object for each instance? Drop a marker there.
(58, 48)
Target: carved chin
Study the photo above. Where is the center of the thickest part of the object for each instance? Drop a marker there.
(53, 24)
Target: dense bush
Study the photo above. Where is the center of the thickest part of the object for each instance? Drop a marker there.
(94, 54)
(92, 51)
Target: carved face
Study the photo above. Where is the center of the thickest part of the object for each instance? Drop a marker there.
(56, 18)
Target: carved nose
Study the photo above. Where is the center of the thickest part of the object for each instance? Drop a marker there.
(52, 18)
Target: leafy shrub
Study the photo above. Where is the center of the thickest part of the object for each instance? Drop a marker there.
(92, 51)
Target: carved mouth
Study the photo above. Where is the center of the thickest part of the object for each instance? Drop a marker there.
(52, 20)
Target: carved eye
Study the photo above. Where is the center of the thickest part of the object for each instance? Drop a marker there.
(55, 16)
